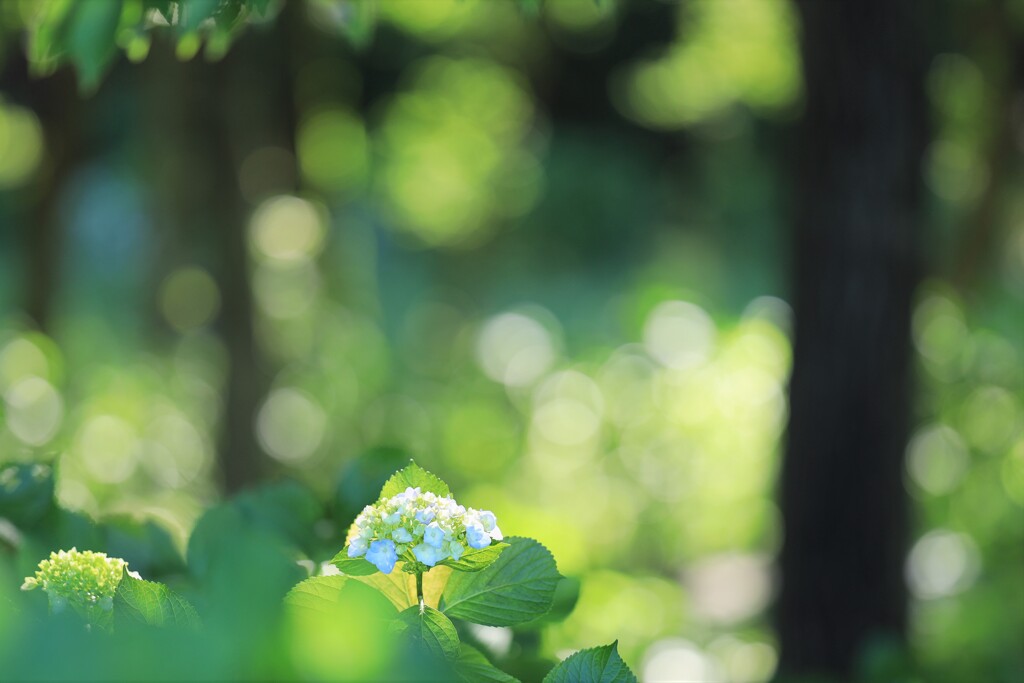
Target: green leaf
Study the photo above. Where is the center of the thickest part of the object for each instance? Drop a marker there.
(285, 508)
(26, 493)
(191, 13)
(599, 665)
(475, 560)
(517, 587)
(206, 544)
(431, 631)
(89, 38)
(362, 475)
(316, 593)
(473, 667)
(352, 566)
(567, 594)
(259, 7)
(229, 15)
(148, 602)
(146, 546)
(412, 475)
(359, 20)
(530, 8)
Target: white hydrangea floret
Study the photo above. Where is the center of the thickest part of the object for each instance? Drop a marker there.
(419, 526)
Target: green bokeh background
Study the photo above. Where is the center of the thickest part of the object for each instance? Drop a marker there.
(548, 258)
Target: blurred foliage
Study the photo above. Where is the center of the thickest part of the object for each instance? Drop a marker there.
(579, 315)
(267, 621)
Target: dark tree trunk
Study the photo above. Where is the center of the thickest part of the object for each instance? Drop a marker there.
(203, 219)
(57, 104)
(206, 119)
(857, 241)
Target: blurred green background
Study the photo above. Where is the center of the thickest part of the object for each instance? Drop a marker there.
(546, 256)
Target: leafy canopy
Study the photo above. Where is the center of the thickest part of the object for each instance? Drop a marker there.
(88, 33)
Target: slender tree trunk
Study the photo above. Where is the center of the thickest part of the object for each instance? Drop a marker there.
(203, 220)
(857, 242)
(57, 104)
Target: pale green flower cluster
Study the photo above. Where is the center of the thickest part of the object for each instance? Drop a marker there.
(419, 526)
(81, 578)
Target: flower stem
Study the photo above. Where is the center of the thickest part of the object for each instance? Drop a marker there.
(419, 591)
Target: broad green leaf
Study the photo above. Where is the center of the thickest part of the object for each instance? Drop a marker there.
(318, 593)
(191, 13)
(361, 476)
(567, 594)
(529, 7)
(26, 493)
(286, 508)
(336, 629)
(152, 603)
(206, 543)
(412, 475)
(229, 15)
(431, 631)
(259, 7)
(400, 587)
(519, 586)
(45, 40)
(89, 38)
(473, 667)
(145, 545)
(284, 512)
(596, 665)
(475, 560)
(359, 21)
(353, 566)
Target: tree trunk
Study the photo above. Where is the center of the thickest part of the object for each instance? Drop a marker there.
(199, 136)
(57, 104)
(857, 237)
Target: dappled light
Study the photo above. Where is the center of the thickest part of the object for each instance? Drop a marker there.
(726, 54)
(21, 144)
(571, 258)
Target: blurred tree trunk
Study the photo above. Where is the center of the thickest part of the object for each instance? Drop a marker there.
(257, 105)
(207, 119)
(857, 243)
(57, 104)
(202, 219)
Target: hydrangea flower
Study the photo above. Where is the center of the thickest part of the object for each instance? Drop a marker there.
(419, 526)
(81, 578)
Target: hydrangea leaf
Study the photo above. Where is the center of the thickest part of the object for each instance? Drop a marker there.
(531, 8)
(195, 12)
(475, 560)
(412, 475)
(352, 566)
(567, 594)
(26, 493)
(152, 603)
(432, 632)
(517, 587)
(473, 667)
(89, 39)
(260, 7)
(359, 20)
(599, 664)
(400, 587)
(316, 593)
(286, 509)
